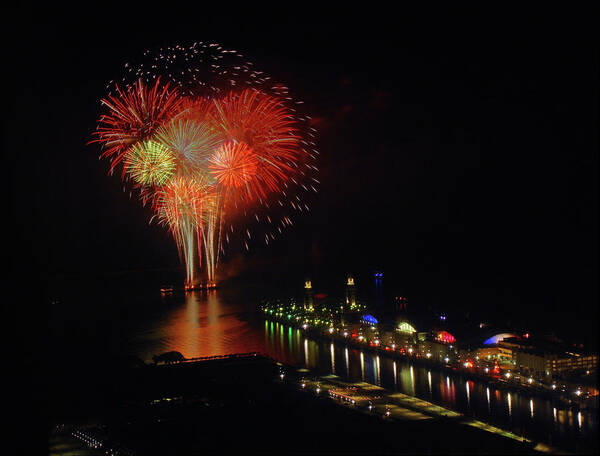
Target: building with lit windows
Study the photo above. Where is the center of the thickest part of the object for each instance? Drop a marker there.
(544, 365)
(496, 353)
(437, 350)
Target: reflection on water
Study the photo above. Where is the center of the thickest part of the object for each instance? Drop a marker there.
(219, 322)
(332, 358)
(468, 392)
(428, 379)
(535, 418)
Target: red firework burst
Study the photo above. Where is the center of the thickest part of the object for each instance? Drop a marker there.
(268, 128)
(234, 165)
(133, 116)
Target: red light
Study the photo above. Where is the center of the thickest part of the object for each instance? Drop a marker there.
(526, 335)
(446, 337)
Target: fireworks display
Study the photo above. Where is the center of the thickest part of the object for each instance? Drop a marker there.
(213, 145)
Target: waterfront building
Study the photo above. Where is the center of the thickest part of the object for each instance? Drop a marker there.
(499, 353)
(436, 350)
(350, 294)
(540, 364)
(405, 334)
(308, 297)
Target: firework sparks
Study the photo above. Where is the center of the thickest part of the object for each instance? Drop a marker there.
(210, 148)
(150, 163)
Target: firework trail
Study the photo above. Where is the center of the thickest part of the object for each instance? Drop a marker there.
(208, 141)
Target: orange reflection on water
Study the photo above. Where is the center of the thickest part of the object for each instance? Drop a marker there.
(203, 327)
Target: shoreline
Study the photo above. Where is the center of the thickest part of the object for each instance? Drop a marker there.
(498, 383)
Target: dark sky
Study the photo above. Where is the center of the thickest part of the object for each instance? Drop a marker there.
(459, 149)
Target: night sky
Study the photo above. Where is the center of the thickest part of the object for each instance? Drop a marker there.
(458, 149)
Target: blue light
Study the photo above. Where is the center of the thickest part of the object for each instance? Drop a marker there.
(497, 338)
(370, 319)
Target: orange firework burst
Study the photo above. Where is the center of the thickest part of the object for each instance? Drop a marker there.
(268, 128)
(234, 165)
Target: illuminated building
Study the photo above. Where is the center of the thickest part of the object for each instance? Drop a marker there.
(308, 297)
(350, 294)
(498, 338)
(370, 319)
(446, 337)
(542, 364)
(406, 327)
(495, 353)
(437, 350)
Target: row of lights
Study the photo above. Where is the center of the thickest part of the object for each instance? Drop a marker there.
(92, 442)
(428, 355)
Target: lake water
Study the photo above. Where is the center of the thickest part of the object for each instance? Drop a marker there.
(112, 319)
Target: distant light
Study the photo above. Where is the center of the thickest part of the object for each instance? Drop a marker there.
(410, 350)
(428, 355)
(507, 375)
(578, 392)
(530, 380)
(304, 326)
(345, 333)
(553, 386)
(446, 359)
(486, 370)
(330, 330)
